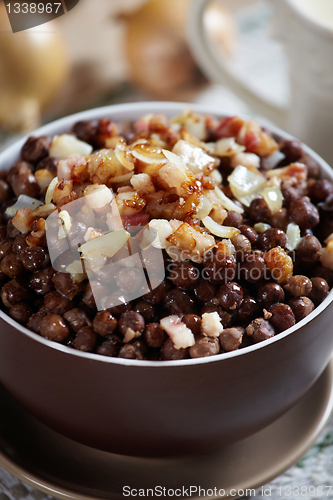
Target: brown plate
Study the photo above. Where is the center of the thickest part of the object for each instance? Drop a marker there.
(65, 469)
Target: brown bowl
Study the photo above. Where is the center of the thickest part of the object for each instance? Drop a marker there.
(151, 408)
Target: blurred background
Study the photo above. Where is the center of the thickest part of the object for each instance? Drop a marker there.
(116, 51)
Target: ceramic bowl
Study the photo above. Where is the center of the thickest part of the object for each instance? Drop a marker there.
(151, 408)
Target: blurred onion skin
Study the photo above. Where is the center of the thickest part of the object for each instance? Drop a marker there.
(160, 61)
(33, 67)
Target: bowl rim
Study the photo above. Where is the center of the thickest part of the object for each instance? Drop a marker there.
(138, 109)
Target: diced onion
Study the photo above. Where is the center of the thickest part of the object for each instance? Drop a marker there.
(245, 184)
(228, 147)
(194, 157)
(23, 201)
(77, 271)
(261, 227)
(217, 176)
(274, 198)
(248, 160)
(274, 159)
(50, 190)
(107, 245)
(66, 224)
(121, 178)
(204, 208)
(293, 236)
(218, 230)
(226, 202)
(181, 336)
(66, 145)
(97, 195)
(163, 229)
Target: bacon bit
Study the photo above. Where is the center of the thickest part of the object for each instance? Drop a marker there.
(136, 220)
(142, 183)
(37, 235)
(296, 171)
(191, 243)
(65, 166)
(23, 219)
(279, 263)
(229, 127)
(44, 177)
(211, 324)
(106, 129)
(62, 190)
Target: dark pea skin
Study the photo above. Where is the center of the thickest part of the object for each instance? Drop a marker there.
(309, 250)
(270, 294)
(56, 303)
(41, 281)
(248, 310)
(253, 269)
(49, 163)
(3, 234)
(20, 312)
(147, 310)
(66, 285)
(19, 244)
(204, 347)
(282, 317)
(233, 219)
(34, 258)
(104, 323)
(179, 302)
(12, 266)
(304, 213)
(230, 296)
(272, 238)
(204, 291)
(322, 272)
(5, 249)
(35, 321)
(26, 183)
(250, 233)
(129, 279)
(320, 290)
(312, 166)
(292, 150)
(301, 307)
(298, 286)
(5, 191)
(260, 330)
(193, 322)
(220, 269)
(259, 210)
(242, 246)
(154, 335)
(85, 339)
(120, 303)
(158, 293)
(231, 338)
(170, 353)
(86, 131)
(35, 149)
(133, 350)
(132, 320)
(318, 191)
(76, 318)
(183, 274)
(110, 346)
(53, 327)
(11, 230)
(15, 291)
(280, 220)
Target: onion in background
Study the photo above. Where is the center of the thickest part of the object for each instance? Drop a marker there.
(33, 67)
(157, 52)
